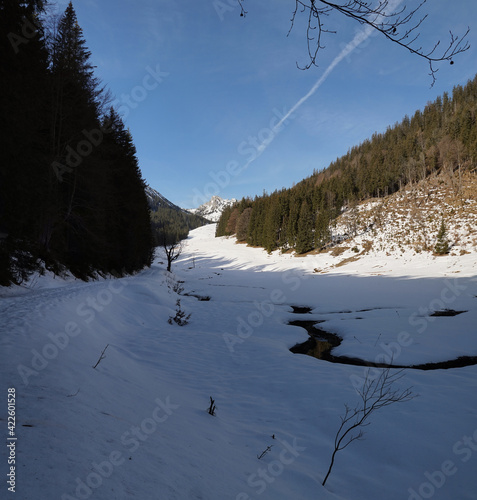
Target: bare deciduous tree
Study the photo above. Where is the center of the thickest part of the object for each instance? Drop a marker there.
(173, 251)
(398, 24)
(376, 393)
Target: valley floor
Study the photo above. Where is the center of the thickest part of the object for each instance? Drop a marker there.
(137, 425)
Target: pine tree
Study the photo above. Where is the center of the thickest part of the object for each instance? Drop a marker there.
(255, 233)
(304, 239)
(23, 131)
(243, 223)
(322, 229)
(76, 95)
(272, 223)
(442, 245)
(221, 229)
(292, 223)
(77, 177)
(127, 219)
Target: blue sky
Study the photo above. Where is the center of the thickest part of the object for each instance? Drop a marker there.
(202, 89)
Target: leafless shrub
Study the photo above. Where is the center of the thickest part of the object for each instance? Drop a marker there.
(376, 393)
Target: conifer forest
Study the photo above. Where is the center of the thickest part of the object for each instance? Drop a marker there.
(71, 191)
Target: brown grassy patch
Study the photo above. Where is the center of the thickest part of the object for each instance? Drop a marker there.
(347, 261)
(337, 251)
(367, 245)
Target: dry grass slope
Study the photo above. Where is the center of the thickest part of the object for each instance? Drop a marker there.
(411, 218)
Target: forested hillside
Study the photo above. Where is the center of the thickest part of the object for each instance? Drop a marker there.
(71, 191)
(442, 138)
(170, 225)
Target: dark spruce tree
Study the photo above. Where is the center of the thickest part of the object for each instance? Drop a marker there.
(221, 229)
(24, 134)
(322, 229)
(126, 220)
(304, 238)
(76, 174)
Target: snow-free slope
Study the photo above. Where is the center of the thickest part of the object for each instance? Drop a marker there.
(137, 425)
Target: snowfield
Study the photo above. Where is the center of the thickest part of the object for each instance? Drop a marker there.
(137, 425)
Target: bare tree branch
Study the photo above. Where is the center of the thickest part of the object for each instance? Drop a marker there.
(264, 452)
(243, 12)
(101, 357)
(375, 394)
(400, 26)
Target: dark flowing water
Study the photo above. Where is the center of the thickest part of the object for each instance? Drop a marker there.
(321, 344)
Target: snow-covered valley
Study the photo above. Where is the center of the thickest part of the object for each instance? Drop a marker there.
(137, 425)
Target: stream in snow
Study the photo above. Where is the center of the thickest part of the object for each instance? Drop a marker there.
(321, 343)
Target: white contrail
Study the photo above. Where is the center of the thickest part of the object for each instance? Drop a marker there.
(359, 38)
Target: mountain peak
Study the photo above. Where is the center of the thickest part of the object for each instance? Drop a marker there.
(213, 208)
